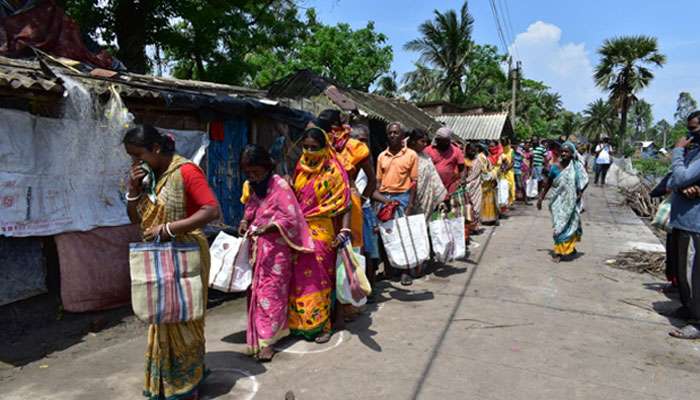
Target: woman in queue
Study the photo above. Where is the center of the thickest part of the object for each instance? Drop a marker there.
(174, 204)
(322, 188)
(276, 224)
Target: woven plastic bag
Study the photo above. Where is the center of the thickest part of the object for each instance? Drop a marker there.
(166, 282)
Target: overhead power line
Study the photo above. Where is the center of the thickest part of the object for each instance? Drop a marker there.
(499, 26)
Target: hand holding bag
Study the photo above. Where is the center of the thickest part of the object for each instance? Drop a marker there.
(231, 271)
(166, 282)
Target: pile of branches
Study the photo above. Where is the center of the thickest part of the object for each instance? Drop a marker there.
(637, 197)
(641, 261)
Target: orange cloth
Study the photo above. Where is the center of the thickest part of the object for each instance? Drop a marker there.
(396, 173)
(352, 154)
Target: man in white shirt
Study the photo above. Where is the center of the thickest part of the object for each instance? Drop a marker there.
(603, 160)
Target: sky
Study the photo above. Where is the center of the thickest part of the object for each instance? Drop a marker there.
(557, 41)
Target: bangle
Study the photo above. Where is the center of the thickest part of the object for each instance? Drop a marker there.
(346, 230)
(167, 229)
(129, 198)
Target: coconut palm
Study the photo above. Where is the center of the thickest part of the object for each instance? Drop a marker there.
(446, 46)
(598, 119)
(422, 84)
(623, 71)
(387, 85)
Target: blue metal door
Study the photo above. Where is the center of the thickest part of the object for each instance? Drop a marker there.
(225, 176)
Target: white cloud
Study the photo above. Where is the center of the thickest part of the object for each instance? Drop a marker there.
(566, 68)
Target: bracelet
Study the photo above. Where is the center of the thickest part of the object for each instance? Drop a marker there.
(167, 229)
(346, 230)
(129, 198)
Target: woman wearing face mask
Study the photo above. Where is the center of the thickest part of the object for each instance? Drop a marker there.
(276, 223)
(430, 191)
(175, 205)
(323, 191)
(568, 179)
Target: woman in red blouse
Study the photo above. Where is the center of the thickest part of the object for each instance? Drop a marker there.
(170, 198)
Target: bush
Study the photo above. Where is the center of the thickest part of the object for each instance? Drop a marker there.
(652, 166)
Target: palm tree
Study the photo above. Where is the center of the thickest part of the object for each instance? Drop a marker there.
(387, 85)
(623, 71)
(598, 119)
(446, 46)
(642, 118)
(422, 84)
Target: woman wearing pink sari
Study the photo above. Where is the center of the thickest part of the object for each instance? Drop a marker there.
(276, 223)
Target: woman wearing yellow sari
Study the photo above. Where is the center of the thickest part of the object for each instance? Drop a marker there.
(323, 190)
(507, 170)
(170, 198)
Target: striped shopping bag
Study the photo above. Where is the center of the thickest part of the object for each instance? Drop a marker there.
(166, 283)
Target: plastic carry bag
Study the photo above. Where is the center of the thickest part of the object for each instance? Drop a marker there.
(503, 192)
(230, 265)
(406, 241)
(662, 219)
(531, 188)
(352, 285)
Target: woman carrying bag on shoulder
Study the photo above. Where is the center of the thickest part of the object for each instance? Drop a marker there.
(170, 199)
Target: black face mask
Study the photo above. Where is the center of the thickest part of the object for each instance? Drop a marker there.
(260, 188)
(442, 146)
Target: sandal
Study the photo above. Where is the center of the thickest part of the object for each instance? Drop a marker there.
(324, 338)
(688, 332)
(406, 280)
(265, 358)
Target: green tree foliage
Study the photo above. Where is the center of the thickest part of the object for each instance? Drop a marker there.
(387, 85)
(641, 118)
(423, 84)
(661, 132)
(538, 111)
(598, 119)
(684, 106)
(624, 70)
(353, 58)
(445, 46)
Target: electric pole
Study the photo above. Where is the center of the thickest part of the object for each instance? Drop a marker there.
(514, 75)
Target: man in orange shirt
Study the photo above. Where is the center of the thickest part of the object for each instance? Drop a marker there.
(397, 170)
(397, 174)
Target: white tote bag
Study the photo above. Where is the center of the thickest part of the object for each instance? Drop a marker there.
(442, 240)
(503, 192)
(230, 266)
(459, 235)
(531, 188)
(406, 241)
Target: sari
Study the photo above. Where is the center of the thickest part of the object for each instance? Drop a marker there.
(323, 190)
(509, 174)
(477, 167)
(489, 203)
(175, 353)
(350, 153)
(567, 185)
(272, 258)
(430, 191)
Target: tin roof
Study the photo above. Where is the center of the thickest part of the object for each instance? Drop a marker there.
(306, 84)
(489, 126)
(29, 75)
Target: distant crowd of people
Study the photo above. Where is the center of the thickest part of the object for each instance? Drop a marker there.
(336, 195)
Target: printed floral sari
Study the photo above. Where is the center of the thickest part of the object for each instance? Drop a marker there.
(273, 255)
(322, 188)
(567, 187)
(175, 354)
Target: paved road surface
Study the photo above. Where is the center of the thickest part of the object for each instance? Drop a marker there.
(507, 324)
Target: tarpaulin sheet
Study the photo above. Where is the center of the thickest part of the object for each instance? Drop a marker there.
(55, 177)
(22, 269)
(95, 267)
